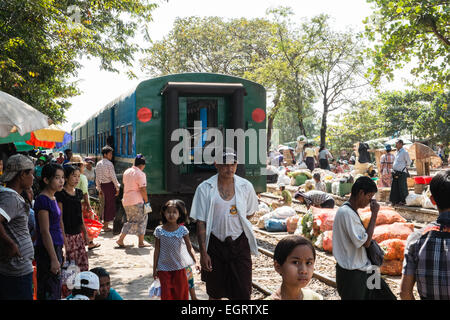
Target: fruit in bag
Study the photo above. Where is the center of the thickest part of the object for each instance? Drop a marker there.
(391, 267)
(328, 241)
(393, 248)
(385, 216)
(396, 230)
(291, 223)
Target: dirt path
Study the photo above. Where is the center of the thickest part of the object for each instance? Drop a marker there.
(131, 268)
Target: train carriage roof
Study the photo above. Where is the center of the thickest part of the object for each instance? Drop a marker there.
(135, 87)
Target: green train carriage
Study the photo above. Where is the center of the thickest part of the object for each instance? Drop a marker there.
(143, 120)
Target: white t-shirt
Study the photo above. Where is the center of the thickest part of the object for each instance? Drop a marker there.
(349, 236)
(202, 208)
(226, 218)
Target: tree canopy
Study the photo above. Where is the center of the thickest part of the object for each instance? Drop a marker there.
(41, 40)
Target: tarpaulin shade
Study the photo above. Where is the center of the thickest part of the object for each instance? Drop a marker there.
(18, 116)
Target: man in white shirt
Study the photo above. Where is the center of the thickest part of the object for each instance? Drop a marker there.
(350, 240)
(222, 206)
(399, 187)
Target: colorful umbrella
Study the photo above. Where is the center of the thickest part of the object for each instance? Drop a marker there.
(49, 138)
(15, 137)
(39, 143)
(22, 146)
(17, 116)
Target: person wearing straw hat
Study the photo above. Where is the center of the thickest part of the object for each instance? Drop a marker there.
(222, 207)
(16, 246)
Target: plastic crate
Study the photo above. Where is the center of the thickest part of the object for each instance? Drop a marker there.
(344, 188)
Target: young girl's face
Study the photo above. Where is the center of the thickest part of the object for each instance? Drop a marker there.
(57, 182)
(172, 214)
(298, 268)
(74, 178)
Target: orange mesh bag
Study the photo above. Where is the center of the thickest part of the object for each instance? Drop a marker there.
(291, 223)
(323, 219)
(391, 267)
(385, 216)
(328, 241)
(393, 248)
(396, 230)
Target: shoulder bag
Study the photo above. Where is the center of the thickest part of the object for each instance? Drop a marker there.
(374, 251)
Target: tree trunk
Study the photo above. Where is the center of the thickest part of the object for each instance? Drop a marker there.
(323, 127)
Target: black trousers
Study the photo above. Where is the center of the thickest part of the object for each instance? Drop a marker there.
(399, 187)
(231, 276)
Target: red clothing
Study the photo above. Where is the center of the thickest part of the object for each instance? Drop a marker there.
(174, 285)
(60, 160)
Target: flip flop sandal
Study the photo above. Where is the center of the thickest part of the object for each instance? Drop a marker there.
(122, 246)
(94, 246)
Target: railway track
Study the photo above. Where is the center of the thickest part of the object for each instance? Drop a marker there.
(266, 280)
(268, 198)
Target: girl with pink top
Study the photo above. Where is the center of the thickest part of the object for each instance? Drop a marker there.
(134, 198)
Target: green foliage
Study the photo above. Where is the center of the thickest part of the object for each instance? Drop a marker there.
(362, 122)
(40, 41)
(420, 113)
(209, 44)
(408, 29)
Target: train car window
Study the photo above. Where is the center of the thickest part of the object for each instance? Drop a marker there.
(201, 109)
(124, 151)
(130, 140)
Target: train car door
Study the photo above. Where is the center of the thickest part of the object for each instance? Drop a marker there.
(214, 105)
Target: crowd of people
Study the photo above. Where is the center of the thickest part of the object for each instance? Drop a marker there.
(47, 228)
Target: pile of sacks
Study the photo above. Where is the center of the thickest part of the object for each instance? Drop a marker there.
(277, 220)
(420, 200)
(391, 232)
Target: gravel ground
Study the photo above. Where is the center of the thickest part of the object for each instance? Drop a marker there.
(325, 262)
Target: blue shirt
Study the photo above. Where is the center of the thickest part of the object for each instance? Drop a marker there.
(43, 202)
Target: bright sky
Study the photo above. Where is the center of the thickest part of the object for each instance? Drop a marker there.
(100, 87)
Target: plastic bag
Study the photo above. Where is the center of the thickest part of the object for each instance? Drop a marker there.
(69, 270)
(283, 212)
(275, 225)
(291, 223)
(155, 289)
(327, 242)
(147, 208)
(414, 200)
(93, 228)
(426, 202)
(89, 214)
